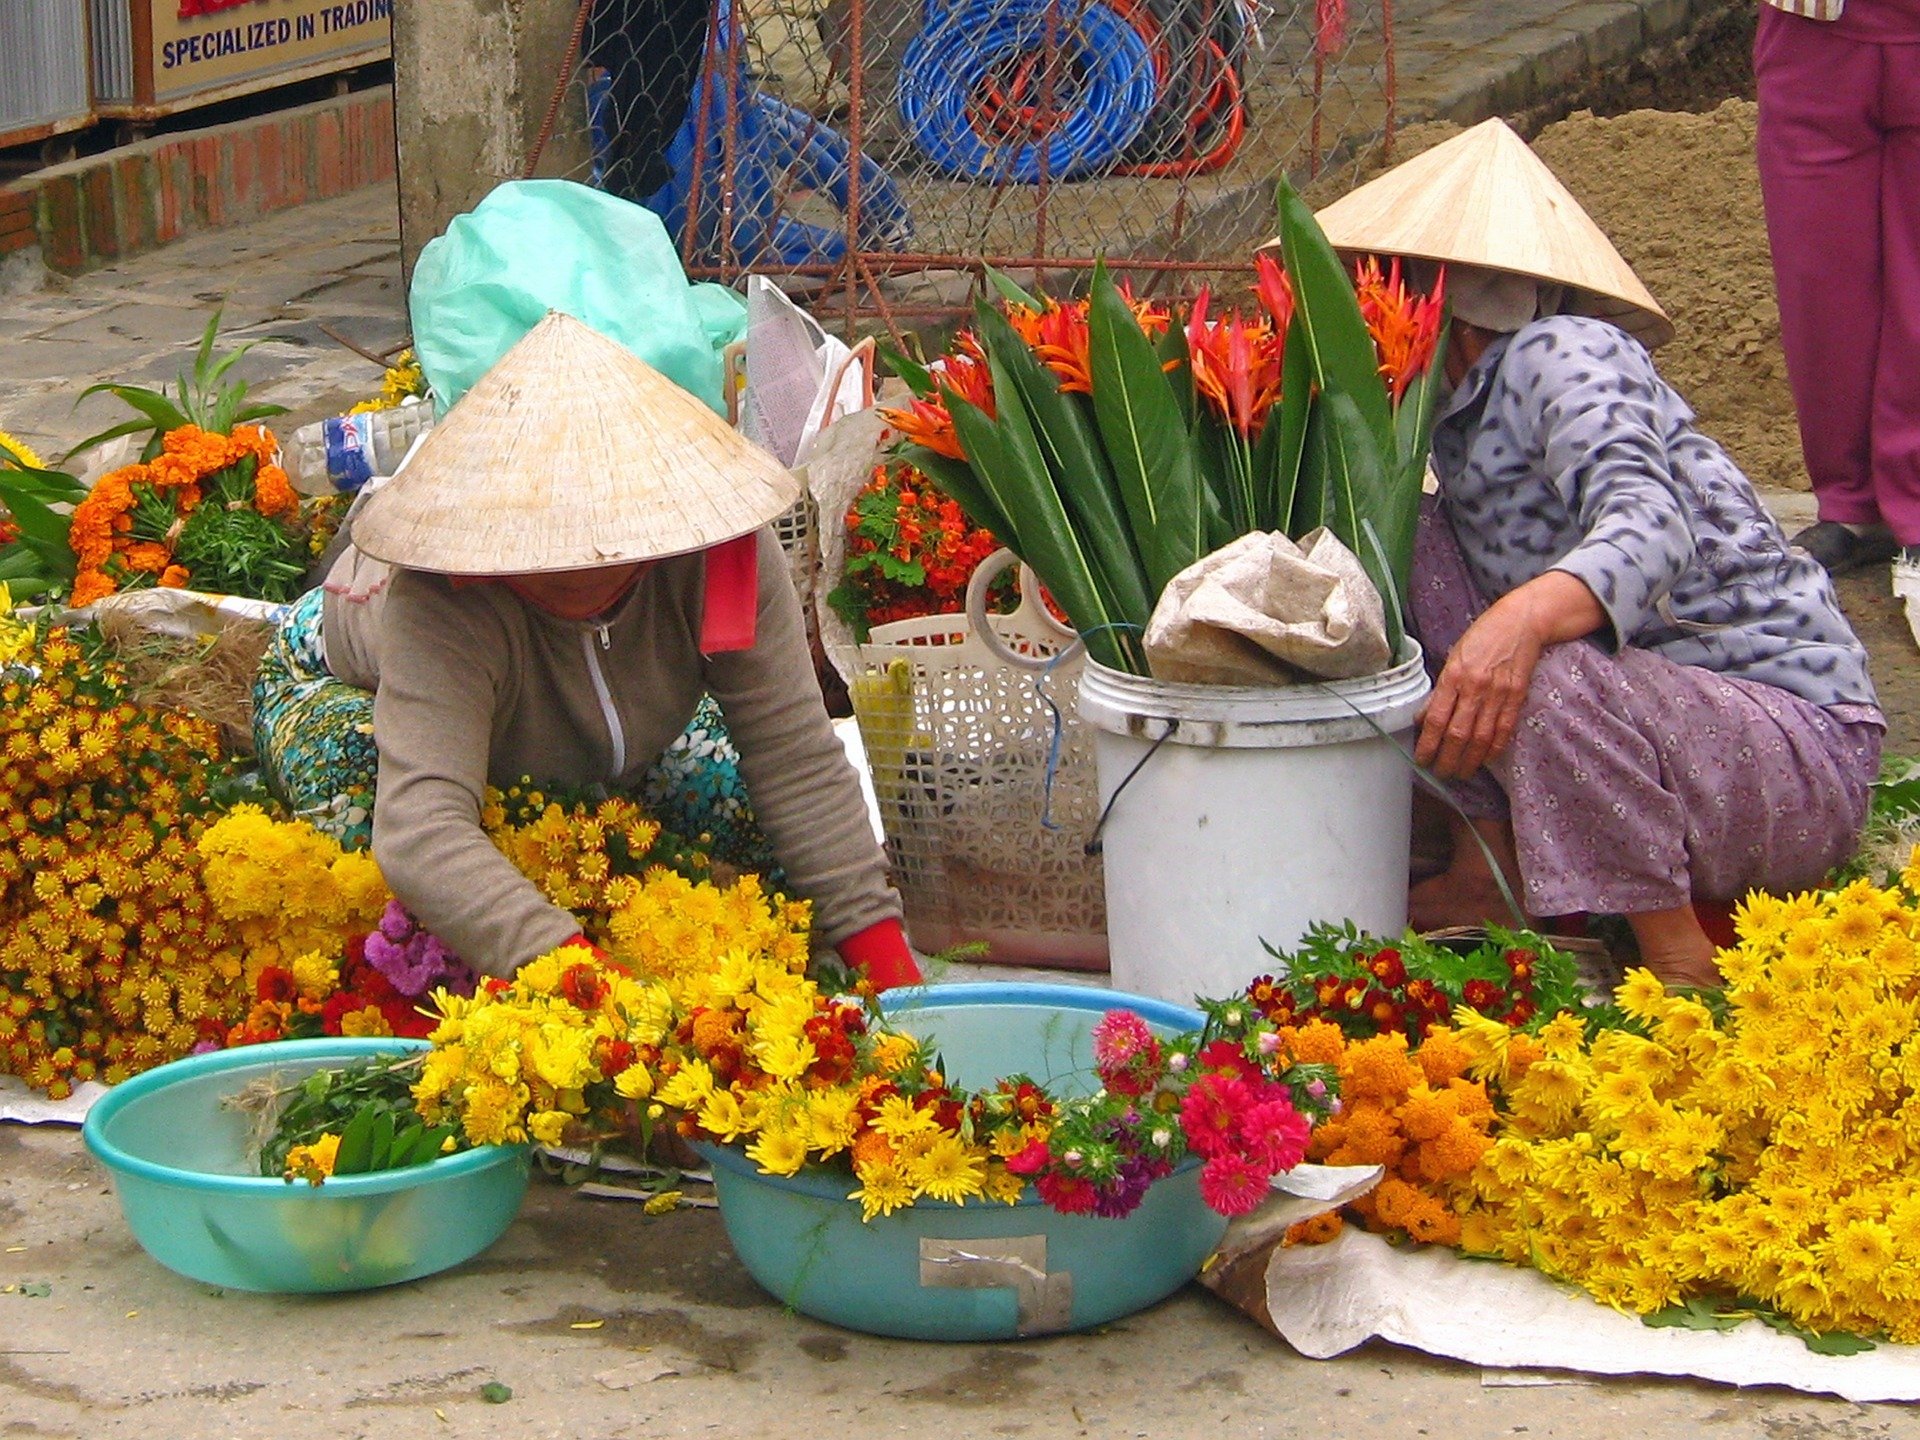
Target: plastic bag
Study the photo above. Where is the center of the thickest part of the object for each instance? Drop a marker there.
(537, 245)
(1262, 610)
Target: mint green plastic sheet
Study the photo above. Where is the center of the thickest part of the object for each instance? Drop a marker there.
(537, 245)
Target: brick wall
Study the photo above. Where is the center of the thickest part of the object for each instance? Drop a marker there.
(90, 212)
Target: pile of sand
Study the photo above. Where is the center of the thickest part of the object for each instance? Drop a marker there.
(1679, 194)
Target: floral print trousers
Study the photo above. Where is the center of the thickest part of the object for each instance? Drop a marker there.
(314, 735)
(1635, 784)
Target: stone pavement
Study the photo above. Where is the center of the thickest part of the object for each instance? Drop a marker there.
(279, 279)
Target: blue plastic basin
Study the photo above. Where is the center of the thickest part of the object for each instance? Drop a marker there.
(983, 1271)
(180, 1165)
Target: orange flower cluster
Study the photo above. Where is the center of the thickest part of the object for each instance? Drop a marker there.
(1405, 326)
(910, 551)
(1415, 1112)
(123, 533)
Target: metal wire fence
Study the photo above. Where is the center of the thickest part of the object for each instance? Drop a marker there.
(872, 154)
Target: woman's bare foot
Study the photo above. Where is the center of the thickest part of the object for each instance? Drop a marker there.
(1674, 947)
(1466, 892)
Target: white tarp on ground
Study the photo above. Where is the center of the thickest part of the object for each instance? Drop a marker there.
(1324, 1300)
(30, 1107)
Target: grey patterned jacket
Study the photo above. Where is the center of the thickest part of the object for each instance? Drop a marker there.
(1563, 449)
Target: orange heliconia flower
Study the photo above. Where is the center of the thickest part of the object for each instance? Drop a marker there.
(1275, 289)
(1059, 338)
(927, 421)
(1236, 365)
(1405, 326)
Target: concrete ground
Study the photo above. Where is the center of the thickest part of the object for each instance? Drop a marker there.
(609, 1325)
(604, 1322)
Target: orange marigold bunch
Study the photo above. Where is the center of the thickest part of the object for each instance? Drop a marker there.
(124, 534)
(1415, 1112)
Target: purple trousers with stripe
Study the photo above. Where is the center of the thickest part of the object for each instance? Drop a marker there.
(1839, 152)
(1635, 784)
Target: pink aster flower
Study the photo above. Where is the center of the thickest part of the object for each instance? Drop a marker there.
(1211, 1113)
(1232, 1185)
(1125, 1053)
(1276, 1134)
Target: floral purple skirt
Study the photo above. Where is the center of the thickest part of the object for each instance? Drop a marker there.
(1635, 784)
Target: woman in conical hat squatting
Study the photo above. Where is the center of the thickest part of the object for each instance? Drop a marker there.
(1644, 697)
(561, 583)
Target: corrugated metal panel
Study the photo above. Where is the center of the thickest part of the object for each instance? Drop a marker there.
(112, 52)
(43, 62)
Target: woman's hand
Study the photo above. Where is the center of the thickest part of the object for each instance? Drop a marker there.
(1476, 703)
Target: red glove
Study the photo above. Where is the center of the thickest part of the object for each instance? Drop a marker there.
(880, 953)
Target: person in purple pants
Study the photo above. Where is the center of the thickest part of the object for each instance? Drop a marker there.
(1839, 152)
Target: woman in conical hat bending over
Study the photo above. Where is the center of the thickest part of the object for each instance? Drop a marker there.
(1644, 696)
(569, 565)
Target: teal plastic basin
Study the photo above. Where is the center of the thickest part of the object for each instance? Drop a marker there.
(983, 1271)
(180, 1166)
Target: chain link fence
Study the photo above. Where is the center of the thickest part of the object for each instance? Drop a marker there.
(869, 155)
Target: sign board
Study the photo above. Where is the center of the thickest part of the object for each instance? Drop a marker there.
(202, 45)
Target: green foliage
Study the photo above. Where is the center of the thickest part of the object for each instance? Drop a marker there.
(369, 1106)
(1706, 1312)
(40, 560)
(206, 398)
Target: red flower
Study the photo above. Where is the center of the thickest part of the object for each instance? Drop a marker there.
(1210, 1113)
(276, 985)
(1405, 327)
(583, 987)
(1236, 365)
(1231, 1184)
(1388, 968)
(1031, 1160)
(1482, 995)
(1068, 1194)
(1228, 1056)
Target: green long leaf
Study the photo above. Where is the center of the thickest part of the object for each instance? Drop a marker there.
(356, 1144)
(140, 426)
(1353, 470)
(1011, 292)
(1145, 435)
(915, 376)
(958, 479)
(1079, 467)
(55, 487)
(1228, 504)
(158, 409)
(1287, 424)
(1339, 351)
(36, 521)
(1176, 363)
(1006, 456)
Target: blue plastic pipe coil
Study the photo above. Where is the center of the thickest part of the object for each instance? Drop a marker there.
(1112, 91)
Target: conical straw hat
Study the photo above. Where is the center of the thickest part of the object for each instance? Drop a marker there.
(571, 452)
(1483, 198)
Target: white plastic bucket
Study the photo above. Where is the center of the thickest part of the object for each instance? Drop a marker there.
(1236, 815)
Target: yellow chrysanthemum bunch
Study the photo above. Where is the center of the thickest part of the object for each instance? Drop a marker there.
(112, 959)
(572, 852)
(1769, 1150)
(702, 942)
(288, 891)
(402, 381)
(526, 1059)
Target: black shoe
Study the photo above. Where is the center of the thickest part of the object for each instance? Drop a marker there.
(1840, 548)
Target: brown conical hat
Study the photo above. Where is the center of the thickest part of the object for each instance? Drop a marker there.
(1483, 198)
(571, 452)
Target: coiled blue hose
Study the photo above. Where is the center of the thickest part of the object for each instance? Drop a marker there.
(1111, 94)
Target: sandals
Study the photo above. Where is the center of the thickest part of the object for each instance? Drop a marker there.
(1841, 549)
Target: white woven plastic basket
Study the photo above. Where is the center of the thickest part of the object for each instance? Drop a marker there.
(958, 739)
